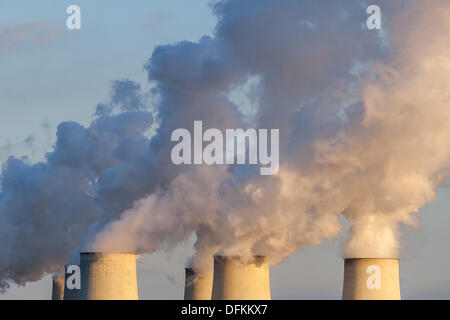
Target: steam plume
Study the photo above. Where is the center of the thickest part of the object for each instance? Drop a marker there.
(364, 124)
(364, 132)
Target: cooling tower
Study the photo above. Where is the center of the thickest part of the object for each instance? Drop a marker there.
(197, 287)
(69, 294)
(57, 288)
(371, 279)
(234, 280)
(108, 276)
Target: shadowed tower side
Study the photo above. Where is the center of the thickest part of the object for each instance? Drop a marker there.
(197, 287)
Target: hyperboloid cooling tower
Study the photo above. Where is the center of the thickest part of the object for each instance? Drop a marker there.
(57, 287)
(197, 287)
(234, 280)
(108, 276)
(371, 279)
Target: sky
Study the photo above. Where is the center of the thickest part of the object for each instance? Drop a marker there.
(50, 74)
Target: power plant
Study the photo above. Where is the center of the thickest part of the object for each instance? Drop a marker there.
(371, 279)
(235, 280)
(197, 287)
(108, 276)
(57, 287)
(112, 276)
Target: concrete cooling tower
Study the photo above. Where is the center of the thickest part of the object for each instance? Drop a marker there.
(371, 279)
(108, 276)
(57, 288)
(197, 287)
(234, 280)
(69, 294)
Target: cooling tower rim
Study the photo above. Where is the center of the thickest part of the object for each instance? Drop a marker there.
(235, 257)
(256, 260)
(350, 259)
(107, 253)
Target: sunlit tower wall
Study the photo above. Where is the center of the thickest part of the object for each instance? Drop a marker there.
(57, 287)
(234, 280)
(108, 276)
(371, 279)
(197, 287)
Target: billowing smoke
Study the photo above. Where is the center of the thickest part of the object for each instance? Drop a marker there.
(402, 141)
(46, 207)
(364, 121)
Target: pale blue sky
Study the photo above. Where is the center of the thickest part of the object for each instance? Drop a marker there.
(61, 75)
(64, 77)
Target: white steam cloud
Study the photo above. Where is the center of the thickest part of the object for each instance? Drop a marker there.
(364, 121)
